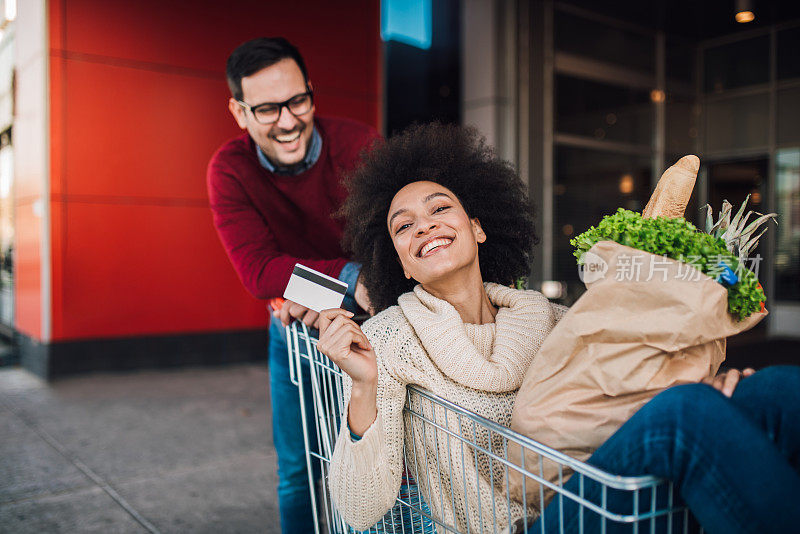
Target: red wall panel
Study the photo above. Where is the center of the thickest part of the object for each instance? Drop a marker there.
(151, 132)
(138, 106)
(137, 268)
(340, 40)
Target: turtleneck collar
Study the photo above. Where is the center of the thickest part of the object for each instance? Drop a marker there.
(490, 357)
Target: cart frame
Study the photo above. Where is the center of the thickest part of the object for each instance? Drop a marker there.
(411, 513)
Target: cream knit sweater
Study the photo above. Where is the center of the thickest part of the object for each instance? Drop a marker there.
(423, 341)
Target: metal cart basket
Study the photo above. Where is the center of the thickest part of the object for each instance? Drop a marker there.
(654, 507)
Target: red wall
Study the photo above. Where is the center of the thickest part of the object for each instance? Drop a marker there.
(138, 106)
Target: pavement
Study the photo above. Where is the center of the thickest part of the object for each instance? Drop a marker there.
(168, 451)
(186, 450)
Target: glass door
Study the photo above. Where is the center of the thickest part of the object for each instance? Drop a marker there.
(6, 233)
(604, 118)
(734, 181)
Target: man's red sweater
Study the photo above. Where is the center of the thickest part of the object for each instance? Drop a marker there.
(268, 222)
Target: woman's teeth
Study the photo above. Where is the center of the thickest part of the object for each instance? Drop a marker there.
(288, 138)
(436, 243)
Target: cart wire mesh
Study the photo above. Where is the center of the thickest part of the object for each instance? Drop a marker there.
(462, 437)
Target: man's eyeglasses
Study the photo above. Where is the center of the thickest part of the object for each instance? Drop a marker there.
(269, 112)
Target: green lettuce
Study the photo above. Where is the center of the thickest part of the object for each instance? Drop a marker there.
(679, 240)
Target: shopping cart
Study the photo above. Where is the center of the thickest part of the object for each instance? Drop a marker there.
(654, 501)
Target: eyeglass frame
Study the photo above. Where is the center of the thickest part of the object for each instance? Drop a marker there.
(285, 104)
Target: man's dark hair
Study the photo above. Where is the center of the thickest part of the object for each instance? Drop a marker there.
(458, 159)
(252, 56)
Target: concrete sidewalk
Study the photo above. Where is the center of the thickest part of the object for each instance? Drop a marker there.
(157, 451)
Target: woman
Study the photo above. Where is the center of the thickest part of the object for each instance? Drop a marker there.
(442, 228)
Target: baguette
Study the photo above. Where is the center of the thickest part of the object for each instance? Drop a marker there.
(674, 189)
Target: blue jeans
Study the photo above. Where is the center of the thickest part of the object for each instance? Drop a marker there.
(294, 498)
(734, 461)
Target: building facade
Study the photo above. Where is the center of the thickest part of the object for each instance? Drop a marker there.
(111, 260)
(110, 110)
(593, 102)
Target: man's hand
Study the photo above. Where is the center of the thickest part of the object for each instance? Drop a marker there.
(291, 311)
(362, 299)
(726, 382)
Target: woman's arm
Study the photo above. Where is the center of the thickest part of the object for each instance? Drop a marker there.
(363, 408)
(365, 475)
(342, 340)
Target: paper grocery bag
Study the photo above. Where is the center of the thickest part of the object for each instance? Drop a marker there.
(645, 323)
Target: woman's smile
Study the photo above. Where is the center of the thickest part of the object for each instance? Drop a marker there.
(434, 245)
(433, 235)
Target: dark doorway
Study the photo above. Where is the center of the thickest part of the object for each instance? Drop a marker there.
(423, 84)
(733, 181)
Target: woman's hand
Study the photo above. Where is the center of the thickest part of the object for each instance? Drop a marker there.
(726, 382)
(341, 340)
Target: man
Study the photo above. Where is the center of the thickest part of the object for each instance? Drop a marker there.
(273, 193)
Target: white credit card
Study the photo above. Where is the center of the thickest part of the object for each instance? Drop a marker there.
(314, 290)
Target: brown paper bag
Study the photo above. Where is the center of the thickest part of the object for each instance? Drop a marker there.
(631, 335)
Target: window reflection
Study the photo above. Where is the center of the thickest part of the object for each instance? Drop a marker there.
(589, 38)
(603, 111)
(738, 123)
(787, 205)
(789, 116)
(588, 185)
(737, 64)
(6, 230)
(681, 124)
(788, 45)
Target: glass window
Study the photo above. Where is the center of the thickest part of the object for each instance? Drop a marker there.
(737, 64)
(733, 181)
(789, 116)
(588, 185)
(680, 60)
(787, 206)
(737, 123)
(603, 111)
(680, 125)
(788, 58)
(6, 86)
(583, 37)
(6, 230)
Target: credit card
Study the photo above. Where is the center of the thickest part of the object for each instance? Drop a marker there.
(314, 290)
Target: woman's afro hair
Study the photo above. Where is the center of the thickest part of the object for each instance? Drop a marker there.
(457, 158)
